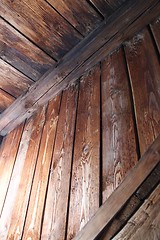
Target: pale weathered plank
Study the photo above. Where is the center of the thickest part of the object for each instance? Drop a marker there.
(54, 223)
(84, 199)
(42, 24)
(5, 100)
(13, 81)
(79, 13)
(9, 149)
(17, 215)
(21, 53)
(155, 27)
(144, 71)
(118, 136)
(145, 223)
(124, 23)
(34, 215)
(120, 196)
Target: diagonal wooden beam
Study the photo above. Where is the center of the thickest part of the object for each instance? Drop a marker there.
(123, 193)
(125, 22)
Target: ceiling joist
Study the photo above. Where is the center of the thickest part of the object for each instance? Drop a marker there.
(125, 22)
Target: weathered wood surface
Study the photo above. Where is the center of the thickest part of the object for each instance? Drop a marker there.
(16, 216)
(5, 100)
(126, 21)
(84, 199)
(79, 13)
(41, 24)
(9, 150)
(155, 27)
(118, 137)
(55, 213)
(120, 196)
(145, 223)
(22, 53)
(144, 71)
(32, 228)
(13, 81)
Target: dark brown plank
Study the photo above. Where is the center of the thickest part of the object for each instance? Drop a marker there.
(42, 24)
(84, 199)
(127, 20)
(21, 53)
(54, 223)
(107, 7)
(155, 27)
(14, 211)
(79, 13)
(9, 149)
(144, 71)
(5, 100)
(34, 215)
(122, 194)
(13, 81)
(119, 145)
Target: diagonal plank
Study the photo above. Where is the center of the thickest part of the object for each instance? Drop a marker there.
(120, 196)
(129, 19)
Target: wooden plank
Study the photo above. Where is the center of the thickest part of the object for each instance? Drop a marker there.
(79, 13)
(144, 71)
(155, 27)
(5, 100)
(15, 188)
(120, 196)
(127, 20)
(34, 215)
(145, 223)
(84, 199)
(54, 222)
(15, 218)
(118, 136)
(8, 154)
(44, 26)
(105, 7)
(21, 53)
(13, 81)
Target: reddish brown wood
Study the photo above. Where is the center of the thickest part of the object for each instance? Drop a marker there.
(42, 24)
(8, 154)
(84, 200)
(54, 223)
(34, 215)
(5, 100)
(155, 27)
(119, 144)
(144, 71)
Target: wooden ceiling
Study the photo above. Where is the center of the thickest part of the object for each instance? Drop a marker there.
(34, 35)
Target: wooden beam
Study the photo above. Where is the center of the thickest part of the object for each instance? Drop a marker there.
(123, 193)
(125, 22)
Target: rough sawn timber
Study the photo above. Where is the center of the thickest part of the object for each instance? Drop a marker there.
(126, 21)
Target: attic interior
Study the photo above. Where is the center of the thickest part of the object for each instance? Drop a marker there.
(79, 119)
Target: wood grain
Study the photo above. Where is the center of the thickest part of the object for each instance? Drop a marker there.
(118, 137)
(145, 223)
(16, 217)
(79, 13)
(22, 53)
(13, 81)
(155, 27)
(54, 223)
(144, 71)
(127, 20)
(5, 100)
(41, 24)
(120, 196)
(9, 150)
(34, 215)
(84, 199)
